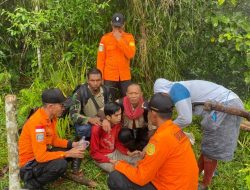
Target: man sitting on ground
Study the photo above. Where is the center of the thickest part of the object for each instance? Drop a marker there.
(105, 147)
(87, 108)
(136, 128)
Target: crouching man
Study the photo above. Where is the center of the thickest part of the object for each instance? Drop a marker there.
(38, 160)
(169, 161)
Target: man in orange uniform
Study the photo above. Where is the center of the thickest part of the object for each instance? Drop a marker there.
(114, 53)
(39, 163)
(169, 161)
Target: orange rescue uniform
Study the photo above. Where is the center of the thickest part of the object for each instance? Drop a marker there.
(169, 162)
(38, 133)
(113, 58)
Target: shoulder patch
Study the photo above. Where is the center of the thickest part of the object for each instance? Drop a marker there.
(150, 149)
(101, 47)
(39, 137)
(179, 92)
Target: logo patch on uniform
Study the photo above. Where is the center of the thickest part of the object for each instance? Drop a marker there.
(131, 44)
(39, 137)
(150, 149)
(101, 47)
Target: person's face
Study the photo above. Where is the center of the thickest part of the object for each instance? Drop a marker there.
(134, 94)
(116, 117)
(120, 29)
(95, 82)
(56, 109)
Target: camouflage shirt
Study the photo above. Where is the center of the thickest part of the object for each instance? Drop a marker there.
(80, 115)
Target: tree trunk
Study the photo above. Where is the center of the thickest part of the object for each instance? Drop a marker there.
(11, 125)
(38, 49)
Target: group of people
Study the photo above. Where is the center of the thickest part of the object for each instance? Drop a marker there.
(134, 140)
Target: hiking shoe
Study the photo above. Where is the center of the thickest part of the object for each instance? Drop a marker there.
(80, 178)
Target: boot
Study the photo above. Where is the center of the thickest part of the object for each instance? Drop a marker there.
(77, 174)
(75, 165)
(80, 179)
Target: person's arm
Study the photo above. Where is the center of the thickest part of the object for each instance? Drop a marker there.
(101, 56)
(39, 146)
(181, 97)
(147, 168)
(127, 46)
(95, 146)
(75, 111)
(184, 110)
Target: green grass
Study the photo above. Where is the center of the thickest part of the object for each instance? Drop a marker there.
(229, 177)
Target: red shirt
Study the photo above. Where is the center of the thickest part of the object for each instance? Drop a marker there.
(103, 143)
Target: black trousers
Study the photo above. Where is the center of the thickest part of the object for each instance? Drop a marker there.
(118, 181)
(118, 89)
(35, 175)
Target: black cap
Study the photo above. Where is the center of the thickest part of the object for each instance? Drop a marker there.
(53, 96)
(161, 103)
(118, 20)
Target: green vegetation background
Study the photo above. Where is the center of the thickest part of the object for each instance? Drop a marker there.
(52, 43)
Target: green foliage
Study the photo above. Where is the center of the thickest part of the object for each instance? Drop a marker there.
(247, 172)
(29, 98)
(63, 127)
(5, 85)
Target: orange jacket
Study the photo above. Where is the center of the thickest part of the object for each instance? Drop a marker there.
(113, 58)
(38, 132)
(169, 162)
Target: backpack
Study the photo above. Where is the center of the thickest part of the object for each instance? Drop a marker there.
(85, 94)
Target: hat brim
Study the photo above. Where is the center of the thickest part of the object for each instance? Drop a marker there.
(68, 102)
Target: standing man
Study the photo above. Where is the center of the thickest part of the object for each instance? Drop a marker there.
(114, 53)
(220, 130)
(87, 108)
(169, 161)
(39, 163)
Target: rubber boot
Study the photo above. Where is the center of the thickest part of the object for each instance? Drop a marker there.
(209, 169)
(75, 165)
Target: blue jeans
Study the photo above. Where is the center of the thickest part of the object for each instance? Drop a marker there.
(83, 130)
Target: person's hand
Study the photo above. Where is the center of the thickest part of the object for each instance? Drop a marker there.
(80, 144)
(106, 126)
(134, 153)
(95, 121)
(74, 144)
(113, 161)
(117, 34)
(74, 153)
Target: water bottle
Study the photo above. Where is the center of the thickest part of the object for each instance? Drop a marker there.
(83, 144)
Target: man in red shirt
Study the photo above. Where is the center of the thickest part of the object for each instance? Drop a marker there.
(169, 161)
(105, 147)
(115, 50)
